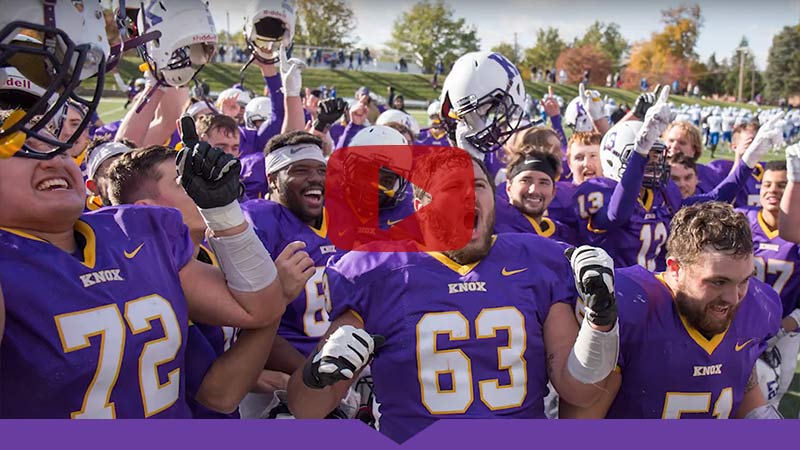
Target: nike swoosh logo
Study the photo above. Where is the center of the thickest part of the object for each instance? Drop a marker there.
(739, 347)
(342, 233)
(392, 222)
(132, 254)
(507, 273)
(294, 150)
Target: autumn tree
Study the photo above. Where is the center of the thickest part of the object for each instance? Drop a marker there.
(548, 47)
(576, 60)
(430, 31)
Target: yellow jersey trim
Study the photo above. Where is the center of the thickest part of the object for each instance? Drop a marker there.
(646, 198)
(546, 229)
(771, 234)
(709, 345)
(454, 266)
(323, 229)
(89, 250)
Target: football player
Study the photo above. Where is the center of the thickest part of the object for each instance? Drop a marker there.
(118, 271)
(683, 137)
(445, 316)
(531, 187)
(789, 223)
(629, 210)
(147, 177)
(435, 134)
(99, 157)
(777, 264)
(743, 136)
(690, 336)
(482, 105)
(683, 172)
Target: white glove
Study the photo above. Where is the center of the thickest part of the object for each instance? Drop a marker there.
(344, 353)
(768, 136)
(291, 74)
(592, 103)
(656, 121)
(594, 280)
(793, 163)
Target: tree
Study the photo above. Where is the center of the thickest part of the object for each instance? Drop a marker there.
(605, 37)
(549, 46)
(430, 31)
(783, 64)
(576, 60)
(670, 54)
(681, 31)
(324, 23)
(711, 75)
(730, 82)
(507, 50)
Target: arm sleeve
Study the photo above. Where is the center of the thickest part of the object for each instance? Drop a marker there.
(623, 200)
(349, 131)
(555, 122)
(273, 127)
(726, 190)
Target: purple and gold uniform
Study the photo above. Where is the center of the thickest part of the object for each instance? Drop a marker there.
(639, 240)
(461, 341)
(100, 333)
(429, 136)
(777, 260)
(669, 369)
(750, 193)
(306, 318)
(707, 178)
(509, 219)
(560, 209)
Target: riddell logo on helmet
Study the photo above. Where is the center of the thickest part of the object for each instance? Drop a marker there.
(204, 38)
(352, 198)
(17, 82)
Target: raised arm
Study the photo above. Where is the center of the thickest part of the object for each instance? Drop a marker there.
(789, 222)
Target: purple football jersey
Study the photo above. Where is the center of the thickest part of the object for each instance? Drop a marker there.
(670, 370)
(642, 239)
(561, 209)
(388, 217)
(750, 194)
(777, 260)
(100, 333)
(461, 341)
(306, 318)
(509, 219)
(254, 176)
(427, 137)
(707, 178)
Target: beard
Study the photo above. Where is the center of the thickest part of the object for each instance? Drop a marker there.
(475, 251)
(699, 315)
(294, 202)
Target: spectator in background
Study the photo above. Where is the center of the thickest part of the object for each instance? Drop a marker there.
(547, 74)
(587, 77)
(390, 99)
(359, 59)
(351, 57)
(399, 103)
(609, 80)
(696, 91)
(562, 76)
(367, 56)
(309, 56)
(675, 86)
(643, 86)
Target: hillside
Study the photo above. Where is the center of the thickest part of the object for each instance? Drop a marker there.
(413, 87)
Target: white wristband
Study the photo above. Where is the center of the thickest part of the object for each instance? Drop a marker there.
(246, 264)
(594, 354)
(224, 217)
(767, 411)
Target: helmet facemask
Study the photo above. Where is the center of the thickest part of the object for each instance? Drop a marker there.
(55, 63)
(495, 117)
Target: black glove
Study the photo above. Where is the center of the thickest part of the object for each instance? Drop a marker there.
(207, 174)
(644, 102)
(330, 110)
(594, 280)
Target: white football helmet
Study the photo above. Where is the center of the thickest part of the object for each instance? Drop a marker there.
(395, 115)
(379, 135)
(56, 48)
(188, 39)
(434, 108)
(577, 118)
(484, 91)
(259, 108)
(267, 22)
(17, 91)
(617, 147)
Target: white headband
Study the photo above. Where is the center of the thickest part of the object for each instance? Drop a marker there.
(101, 154)
(285, 156)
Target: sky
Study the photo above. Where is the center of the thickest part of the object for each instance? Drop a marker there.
(725, 22)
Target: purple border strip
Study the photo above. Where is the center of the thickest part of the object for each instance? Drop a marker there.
(444, 435)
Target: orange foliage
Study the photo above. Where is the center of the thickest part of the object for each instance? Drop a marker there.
(576, 60)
